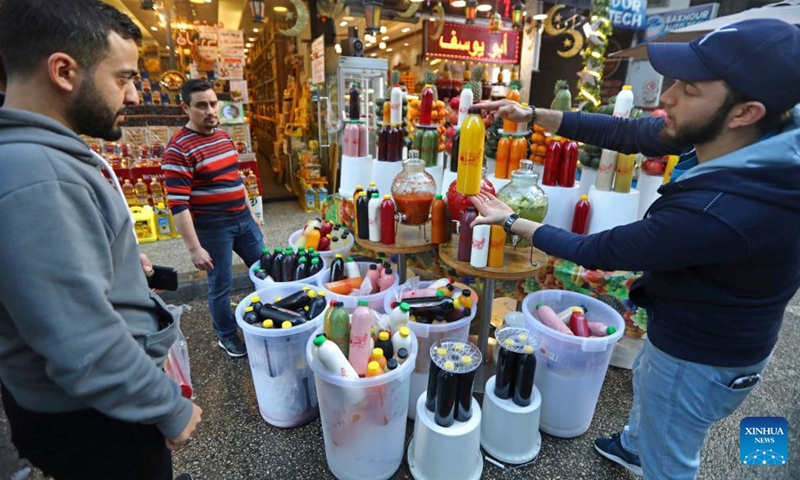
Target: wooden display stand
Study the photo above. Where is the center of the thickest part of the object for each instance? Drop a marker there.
(408, 239)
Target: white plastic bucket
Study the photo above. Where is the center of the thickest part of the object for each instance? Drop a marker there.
(376, 300)
(269, 281)
(570, 370)
(364, 440)
(427, 335)
(344, 249)
(284, 383)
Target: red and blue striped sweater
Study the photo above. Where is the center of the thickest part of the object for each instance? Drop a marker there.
(202, 175)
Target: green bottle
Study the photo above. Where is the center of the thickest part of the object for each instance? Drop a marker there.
(340, 328)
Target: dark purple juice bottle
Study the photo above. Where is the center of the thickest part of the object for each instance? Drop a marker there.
(465, 234)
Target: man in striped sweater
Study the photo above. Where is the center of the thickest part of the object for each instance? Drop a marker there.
(209, 203)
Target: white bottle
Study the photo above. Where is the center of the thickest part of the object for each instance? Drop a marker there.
(332, 358)
(399, 317)
(374, 216)
(401, 339)
(396, 103)
(480, 246)
(624, 103)
(465, 101)
(351, 269)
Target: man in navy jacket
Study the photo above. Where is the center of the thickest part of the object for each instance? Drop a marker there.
(717, 274)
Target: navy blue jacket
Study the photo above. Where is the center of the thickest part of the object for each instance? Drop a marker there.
(720, 249)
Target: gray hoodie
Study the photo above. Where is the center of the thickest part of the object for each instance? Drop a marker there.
(79, 328)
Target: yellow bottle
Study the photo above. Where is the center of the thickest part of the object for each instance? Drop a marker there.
(470, 154)
(377, 356)
(373, 369)
(624, 174)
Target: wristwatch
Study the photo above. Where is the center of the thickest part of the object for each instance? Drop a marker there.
(533, 113)
(509, 222)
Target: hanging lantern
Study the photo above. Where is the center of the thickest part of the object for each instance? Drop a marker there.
(147, 4)
(472, 11)
(516, 15)
(372, 14)
(257, 9)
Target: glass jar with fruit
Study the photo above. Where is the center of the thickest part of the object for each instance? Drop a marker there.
(413, 190)
(524, 195)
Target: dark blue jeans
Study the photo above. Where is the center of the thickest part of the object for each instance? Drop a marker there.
(246, 240)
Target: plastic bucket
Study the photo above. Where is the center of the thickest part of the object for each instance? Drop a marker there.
(284, 383)
(427, 335)
(364, 420)
(344, 250)
(376, 300)
(570, 370)
(268, 282)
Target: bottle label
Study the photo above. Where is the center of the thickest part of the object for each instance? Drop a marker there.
(478, 244)
(359, 342)
(310, 200)
(470, 160)
(163, 225)
(605, 168)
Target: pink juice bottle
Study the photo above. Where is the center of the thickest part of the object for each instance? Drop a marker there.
(363, 137)
(374, 277)
(386, 281)
(465, 234)
(351, 139)
(359, 337)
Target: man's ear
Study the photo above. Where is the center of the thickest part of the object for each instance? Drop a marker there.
(185, 108)
(63, 71)
(746, 114)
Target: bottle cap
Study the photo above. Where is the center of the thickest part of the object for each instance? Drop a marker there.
(397, 85)
(277, 250)
(439, 293)
(362, 194)
(306, 288)
(373, 184)
(449, 366)
(468, 86)
(374, 266)
(255, 298)
(474, 111)
(315, 261)
(391, 364)
(611, 330)
(441, 351)
(312, 294)
(438, 196)
(466, 360)
(338, 304)
(286, 324)
(387, 197)
(248, 309)
(584, 197)
(373, 367)
(350, 259)
(514, 87)
(458, 347)
(405, 331)
(289, 250)
(338, 255)
(265, 250)
(522, 337)
(388, 271)
(302, 260)
(320, 340)
(467, 292)
(402, 353)
(359, 187)
(329, 236)
(363, 303)
(404, 307)
(268, 323)
(278, 299)
(321, 294)
(626, 87)
(384, 335)
(374, 195)
(577, 310)
(527, 349)
(377, 352)
(509, 342)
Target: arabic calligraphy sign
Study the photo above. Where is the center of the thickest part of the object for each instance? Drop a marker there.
(464, 42)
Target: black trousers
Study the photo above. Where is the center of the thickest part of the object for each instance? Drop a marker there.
(87, 444)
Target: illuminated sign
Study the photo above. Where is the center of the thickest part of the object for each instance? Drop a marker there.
(463, 42)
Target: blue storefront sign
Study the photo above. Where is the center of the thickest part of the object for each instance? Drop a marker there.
(662, 23)
(628, 14)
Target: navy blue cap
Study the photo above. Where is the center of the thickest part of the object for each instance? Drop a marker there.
(760, 58)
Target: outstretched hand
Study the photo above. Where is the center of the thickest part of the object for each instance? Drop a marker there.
(493, 211)
(507, 109)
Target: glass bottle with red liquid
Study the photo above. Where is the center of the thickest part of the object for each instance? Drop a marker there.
(387, 221)
(413, 190)
(580, 219)
(465, 234)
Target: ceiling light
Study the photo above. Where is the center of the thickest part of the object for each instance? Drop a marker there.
(154, 28)
(373, 54)
(370, 38)
(406, 30)
(417, 1)
(248, 45)
(405, 44)
(255, 30)
(342, 23)
(245, 50)
(388, 49)
(337, 48)
(349, 19)
(367, 45)
(484, 8)
(383, 29)
(252, 39)
(280, 9)
(382, 45)
(385, 37)
(458, 4)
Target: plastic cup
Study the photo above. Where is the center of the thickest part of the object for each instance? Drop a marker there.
(427, 335)
(570, 370)
(284, 383)
(364, 420)
(376, 300)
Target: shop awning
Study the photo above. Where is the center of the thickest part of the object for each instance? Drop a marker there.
(788, 11)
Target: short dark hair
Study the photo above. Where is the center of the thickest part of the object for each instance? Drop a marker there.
(194, 85)
(32, 30)
(770, 122)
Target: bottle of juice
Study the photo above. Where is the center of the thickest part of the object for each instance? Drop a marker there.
(580, 219)
(384, 342)
(340, 327)
(503, 153)
(351, 268)
(465, 234)
(350, 148)
(252, 180)
(402, 337)
(142, 197)
(470, 154)
(513, 94)
(130, 194)
(355, 102)
(519, 151)
(377, 356)
(387, 220)
(373, 369)
(301, 270)
(332, 358)
(497, 242)
(372, 188)
(313, 239)
(464, 103)
(316, 267)
(569, 164)
(337, 268)
(446, 386)
(552, 163)
(324, 243)
(624, 174)
(396, 100)
(374, 277)
(374, 216)
(479, 256)
(440, 221)
(362, 216)
(425, 106)
(383, 142)
(289, 263)
(359, 337)
(433, 373)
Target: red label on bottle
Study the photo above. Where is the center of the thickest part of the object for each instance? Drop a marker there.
(356, 342)
(479, 244)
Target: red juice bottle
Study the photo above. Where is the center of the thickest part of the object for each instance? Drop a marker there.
(580, 219)
(426, 105)
(387, 220)
(552, 161)
(465, 234)
(394, 144)
(569, 163)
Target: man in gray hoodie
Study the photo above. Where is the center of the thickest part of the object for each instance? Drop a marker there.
(82, 337)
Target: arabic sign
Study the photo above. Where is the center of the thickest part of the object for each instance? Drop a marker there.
(662, 23)
(465, 42)
(629, 14)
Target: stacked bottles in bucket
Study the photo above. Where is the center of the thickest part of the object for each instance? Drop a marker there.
(450, 381)
(286, 265)
(322, 236)
(287, 312)
(346, 278)
(608, 159)
(439, 303)
(427, 138)
(390, 137)
(572, 321)
(355, 132)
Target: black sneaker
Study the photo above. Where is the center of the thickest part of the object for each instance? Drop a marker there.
(184, 476)
(612, 449)
(233, 346)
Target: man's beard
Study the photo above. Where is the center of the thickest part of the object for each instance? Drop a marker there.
(90, 116)
(699, 133)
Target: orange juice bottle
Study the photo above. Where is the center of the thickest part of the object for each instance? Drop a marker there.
(373, 369)
(497, 244)
(509, 126)
(470, 154)
(503, 154)
(519, 150)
